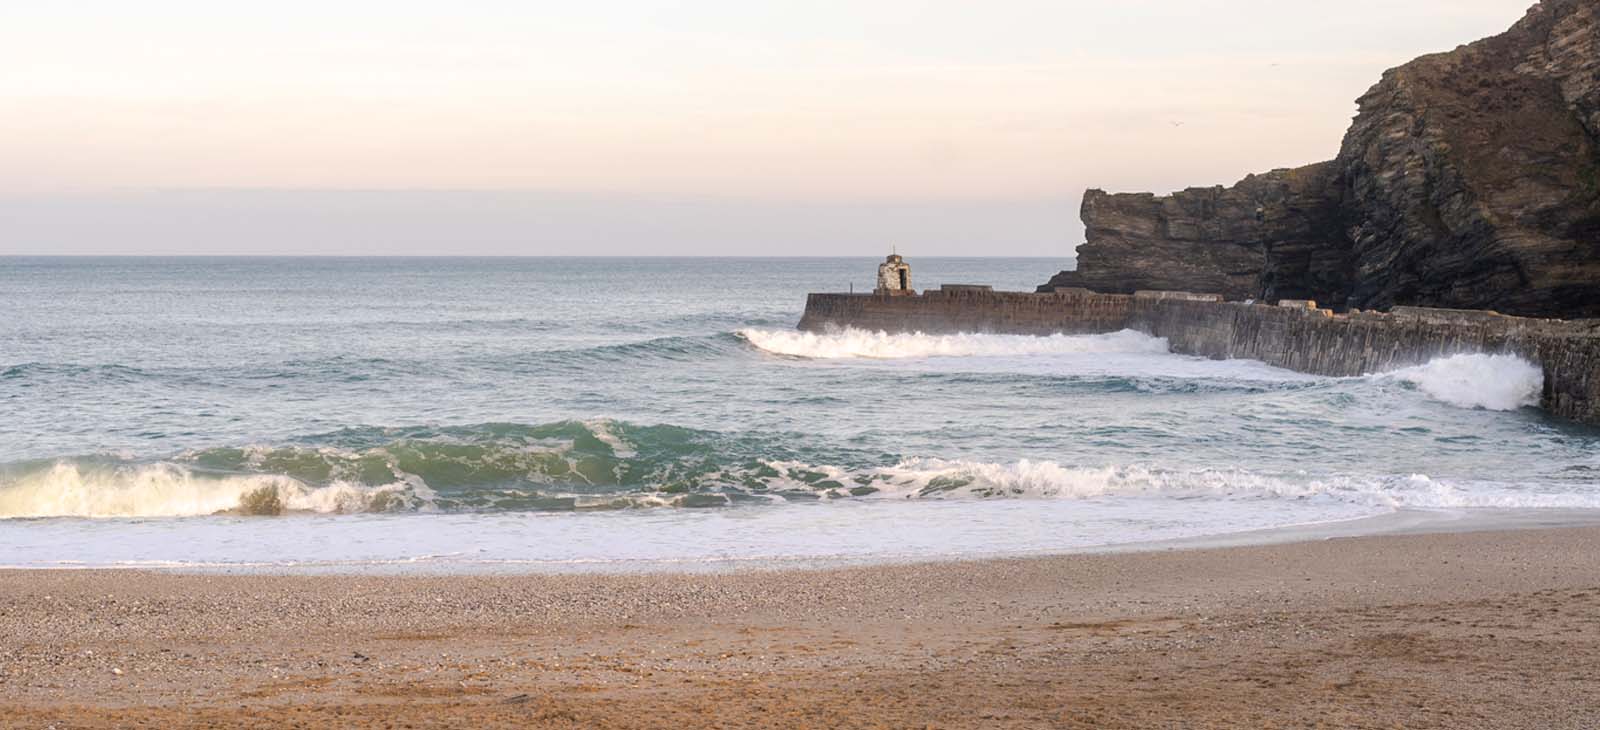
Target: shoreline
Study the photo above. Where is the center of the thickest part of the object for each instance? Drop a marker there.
(1398, 521)
(1452, 629)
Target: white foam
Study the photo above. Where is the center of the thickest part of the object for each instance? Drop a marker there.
(601, 429)
(1492, 382)
(1049, 479)
(167, 490)
(940, 478)
(855, 343)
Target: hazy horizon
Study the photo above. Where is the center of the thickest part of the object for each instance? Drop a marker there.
(648, 256)
(644, 127)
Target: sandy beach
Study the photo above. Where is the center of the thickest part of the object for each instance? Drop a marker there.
(1480, 630)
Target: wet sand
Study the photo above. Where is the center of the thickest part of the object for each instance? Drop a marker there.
(1469, 630)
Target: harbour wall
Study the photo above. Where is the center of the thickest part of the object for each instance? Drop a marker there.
(1304, 338)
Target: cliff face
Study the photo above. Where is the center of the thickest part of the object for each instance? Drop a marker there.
(1275, 235)
(1468, 179)
(1472, 173)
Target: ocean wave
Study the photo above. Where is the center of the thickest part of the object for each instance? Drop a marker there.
(855, 343)
(660, 349)
(69, 489)
(566, 465)
(1473, 380)
(609, 465)
(338, 369)
(109, 372)
(1490, 382)
(939, 478)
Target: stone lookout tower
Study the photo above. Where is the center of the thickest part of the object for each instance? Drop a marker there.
(894, 276)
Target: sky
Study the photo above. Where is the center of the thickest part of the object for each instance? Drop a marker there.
(649, 127)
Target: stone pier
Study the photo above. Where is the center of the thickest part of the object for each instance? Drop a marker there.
(1302, 338)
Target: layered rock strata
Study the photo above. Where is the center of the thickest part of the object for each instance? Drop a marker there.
(1275, 235)
(1469, 179)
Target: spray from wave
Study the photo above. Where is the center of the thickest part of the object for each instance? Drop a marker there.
(1490, 382)
(855, 343)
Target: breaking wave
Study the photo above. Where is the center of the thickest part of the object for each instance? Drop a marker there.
(854, 343)
(610, 465)
(68, 489)
(1491, 382)
(924, 478)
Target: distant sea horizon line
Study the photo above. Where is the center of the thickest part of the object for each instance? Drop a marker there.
(503, 256)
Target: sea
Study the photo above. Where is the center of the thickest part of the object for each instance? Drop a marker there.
(637, 414)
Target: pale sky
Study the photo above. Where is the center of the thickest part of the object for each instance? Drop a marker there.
(647, 126)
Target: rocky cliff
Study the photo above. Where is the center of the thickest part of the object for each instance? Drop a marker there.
(1469, 179)
(1275, 235)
